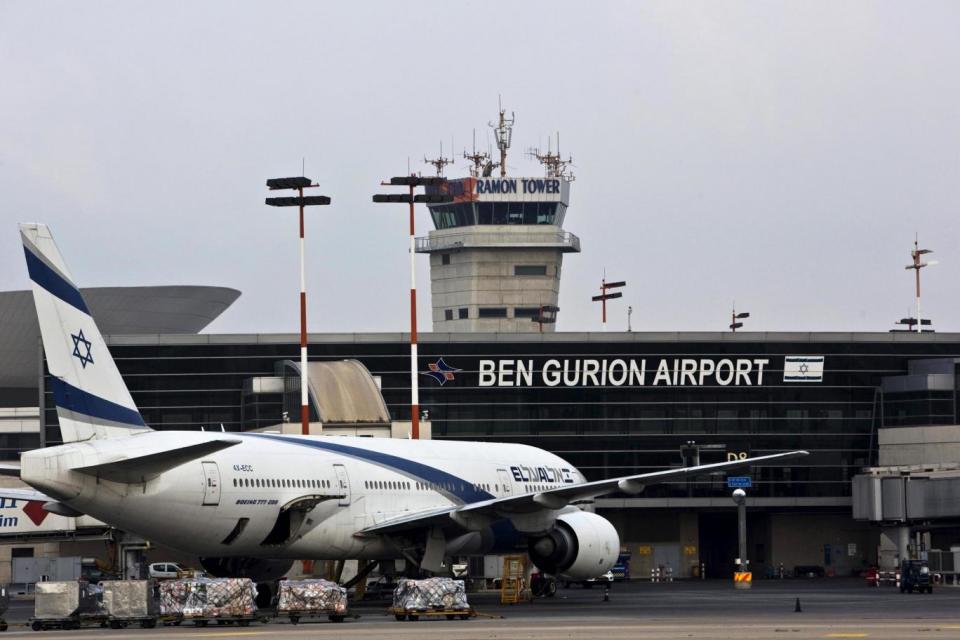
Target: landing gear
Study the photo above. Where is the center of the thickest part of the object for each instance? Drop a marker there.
(543, 586)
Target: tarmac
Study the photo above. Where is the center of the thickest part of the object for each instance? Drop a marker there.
(830, 608)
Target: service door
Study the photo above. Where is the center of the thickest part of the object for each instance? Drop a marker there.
(505, 482)
(211, 483)
(344, 481)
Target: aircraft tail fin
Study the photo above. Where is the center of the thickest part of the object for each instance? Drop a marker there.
(91, 398)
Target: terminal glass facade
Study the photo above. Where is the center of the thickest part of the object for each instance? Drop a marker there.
(611, 405)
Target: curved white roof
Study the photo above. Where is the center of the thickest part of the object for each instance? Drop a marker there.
(118, 311)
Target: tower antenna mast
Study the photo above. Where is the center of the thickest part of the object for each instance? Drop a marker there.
(504, 133)
(480, 160)
(555, 165)
(438, 163)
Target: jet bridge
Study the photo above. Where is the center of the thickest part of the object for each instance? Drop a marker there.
(345, 399)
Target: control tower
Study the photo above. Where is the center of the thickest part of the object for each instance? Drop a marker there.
(497, 250)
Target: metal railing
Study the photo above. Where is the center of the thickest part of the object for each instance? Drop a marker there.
(563, 240)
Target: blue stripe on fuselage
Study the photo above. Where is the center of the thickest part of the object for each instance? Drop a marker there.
(69, 397)
(53, 281)
(463, 490)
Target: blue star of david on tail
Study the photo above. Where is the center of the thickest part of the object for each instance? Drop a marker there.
(78, 340)
(441, 371)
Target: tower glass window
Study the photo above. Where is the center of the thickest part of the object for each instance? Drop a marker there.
(530, 270)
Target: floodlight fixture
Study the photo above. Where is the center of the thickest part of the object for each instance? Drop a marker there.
(298, 182)
(605, 295)
(734, 316)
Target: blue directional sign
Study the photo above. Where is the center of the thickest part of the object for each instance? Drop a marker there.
(739, 482)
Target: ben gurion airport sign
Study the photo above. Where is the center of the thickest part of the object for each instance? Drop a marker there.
(635, 372)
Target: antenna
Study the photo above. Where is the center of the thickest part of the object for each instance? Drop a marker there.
(918, 263)
(480, 160)
(555, 165)
(438, 163)
(504, 134)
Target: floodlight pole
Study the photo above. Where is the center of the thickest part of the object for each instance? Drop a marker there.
(603, 304)
(299, 184)
(414, 382)
(304, 399)
(604, 296)
(412, 182)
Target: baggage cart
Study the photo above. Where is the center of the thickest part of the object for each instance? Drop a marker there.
(130, 602)
(433, 597)
(67, 605)
(205, 601)
(450, 614)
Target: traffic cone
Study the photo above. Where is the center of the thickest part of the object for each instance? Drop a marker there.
(796, 607)
(606, 594)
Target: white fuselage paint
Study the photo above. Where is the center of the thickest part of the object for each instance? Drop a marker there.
(382, 478)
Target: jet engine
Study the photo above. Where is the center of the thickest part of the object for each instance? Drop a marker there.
(581, 545)
(257, 569)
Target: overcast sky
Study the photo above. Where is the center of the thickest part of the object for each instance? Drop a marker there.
(780, 154)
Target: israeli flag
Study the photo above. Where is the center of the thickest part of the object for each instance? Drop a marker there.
(803, 369)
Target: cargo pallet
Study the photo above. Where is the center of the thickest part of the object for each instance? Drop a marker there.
(449, 614)
(296, 616)
(70, 622)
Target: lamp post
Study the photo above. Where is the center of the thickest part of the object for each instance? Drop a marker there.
(916, 266)
(734, 316)
(298, 184)
(604, 296)
(740, 498)
(412, 182)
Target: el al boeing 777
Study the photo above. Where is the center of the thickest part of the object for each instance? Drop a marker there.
(250, 503)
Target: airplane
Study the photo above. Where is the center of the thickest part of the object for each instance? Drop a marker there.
(249, 504)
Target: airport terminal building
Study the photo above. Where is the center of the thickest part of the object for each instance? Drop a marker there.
(611, 404)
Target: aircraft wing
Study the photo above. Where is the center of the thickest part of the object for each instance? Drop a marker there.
(560, 497)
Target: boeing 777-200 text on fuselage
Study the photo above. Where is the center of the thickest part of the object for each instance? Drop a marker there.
(253, 502)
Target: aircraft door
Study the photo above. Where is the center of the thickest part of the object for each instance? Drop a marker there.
(343, 482)
(505, 482)
(211, 483)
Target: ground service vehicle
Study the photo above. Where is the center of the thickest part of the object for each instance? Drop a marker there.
(915, 576)
(164, 571)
